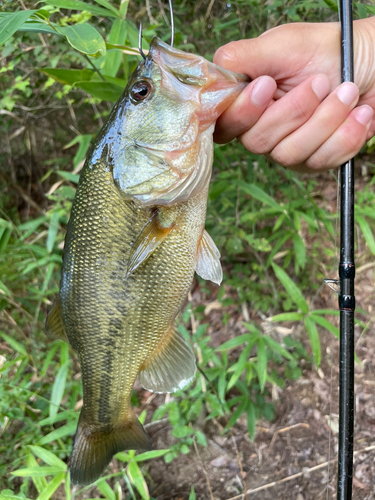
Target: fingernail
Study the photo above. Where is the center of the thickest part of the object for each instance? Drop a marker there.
(347, 93)
(263, 90)
(321, 86)
(363, 114)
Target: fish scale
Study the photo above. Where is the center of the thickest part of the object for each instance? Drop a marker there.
(134, 240)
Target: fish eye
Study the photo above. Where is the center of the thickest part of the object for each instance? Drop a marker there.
(140, 91)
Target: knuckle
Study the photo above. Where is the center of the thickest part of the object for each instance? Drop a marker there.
(256, 142)
(285, 154)
(299, 111)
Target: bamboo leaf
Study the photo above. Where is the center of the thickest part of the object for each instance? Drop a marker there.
(314, 339)
(58, 389)
(116, 36)
(107, 491)
(77, 5)
(292, 289)
(37, 471)
(65, 430)
(286, 317)
(39, 481)
(68, 76)
(241, 339)
(47, 456)
(10, 24)
(262, 363)
(136, 477)
(326, 324)
(16, 346)
(148, 455)
(104, 91)
(51, 487)
(367, 233)
(258, 193)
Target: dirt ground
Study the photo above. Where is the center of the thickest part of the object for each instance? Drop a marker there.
(289, 457)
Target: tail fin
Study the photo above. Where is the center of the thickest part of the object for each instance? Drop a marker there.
(95, 446)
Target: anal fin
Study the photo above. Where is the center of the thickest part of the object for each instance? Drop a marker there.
(208, 260)
(54, 327)
(171, 367)
(152, 235)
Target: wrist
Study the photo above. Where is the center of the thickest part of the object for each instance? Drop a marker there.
(364, 53)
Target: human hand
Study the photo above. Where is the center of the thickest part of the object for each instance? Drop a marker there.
(299, 115)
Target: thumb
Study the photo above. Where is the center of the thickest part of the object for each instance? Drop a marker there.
(282, 52)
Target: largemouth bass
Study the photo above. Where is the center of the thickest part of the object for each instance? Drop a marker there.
(134, 240)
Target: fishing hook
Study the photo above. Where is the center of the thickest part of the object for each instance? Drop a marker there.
(172, 22)
(140, 42)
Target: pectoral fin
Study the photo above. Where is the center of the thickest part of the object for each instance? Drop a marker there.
(148, 240)
(208, 263)
(171, 367)
(54, 327)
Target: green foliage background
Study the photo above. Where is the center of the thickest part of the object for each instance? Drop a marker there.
(62, 64)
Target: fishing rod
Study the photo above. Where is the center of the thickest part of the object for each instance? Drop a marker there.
(346, 280)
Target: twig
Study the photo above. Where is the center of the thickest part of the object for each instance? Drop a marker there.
(299, 474)
(209, 8)
(151, 19)
(204, 470)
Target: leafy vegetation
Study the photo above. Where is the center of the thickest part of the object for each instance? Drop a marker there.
(61, 62)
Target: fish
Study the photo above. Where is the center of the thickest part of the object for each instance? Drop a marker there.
(134, 240)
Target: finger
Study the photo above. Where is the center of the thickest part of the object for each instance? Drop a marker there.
(246, 110)
(345, 142)
(282, 51)
(286, 115)
(303, 142)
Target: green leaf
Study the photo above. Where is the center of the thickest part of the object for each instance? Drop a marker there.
(192, 495)
(58, 389)
(47, 456)
(148, 455)
(40, 482)
(109, 6)
(262, 363)
(35, 26)
(77, 5)
(236, 341)
(238, 412)
(258, 193)
(16, 346)
(136, 477)
(325, 324)
(69, 176)
(51, 487)
(286, 317)
(107, 491)
(251, 420)
(292, 289)
(52, 230)
(299, 250)
(367, 233)
(37, 471)
(102, 90)
(10, 24)
(117, 36)
(314, 339)
(65, 430)
(68, 76)
(84, 38)
(182, 431)
(275, 346)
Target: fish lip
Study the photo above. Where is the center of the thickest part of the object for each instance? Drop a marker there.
(158, 45)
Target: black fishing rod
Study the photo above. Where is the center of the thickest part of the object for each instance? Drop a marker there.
(346, 279)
